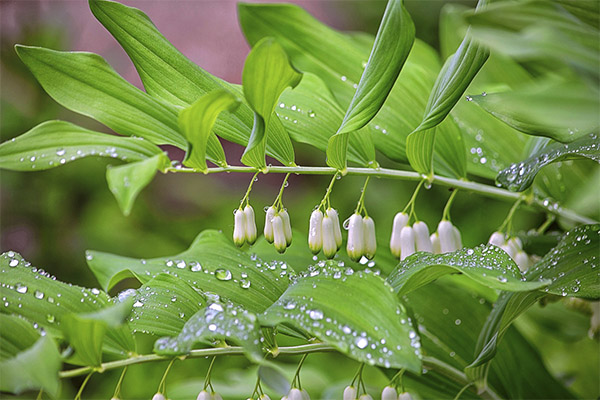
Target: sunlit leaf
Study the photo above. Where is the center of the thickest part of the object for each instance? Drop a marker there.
(267, 73)
(54, 143)
(211, 264)
(393, 42)
(85, 83)
(127, 181)
(519, 177)
(356, 312)
(488, 265)
(218, 321)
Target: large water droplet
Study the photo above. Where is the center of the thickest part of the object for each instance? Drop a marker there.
(223, 274)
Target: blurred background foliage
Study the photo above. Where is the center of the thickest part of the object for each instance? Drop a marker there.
(52, 217)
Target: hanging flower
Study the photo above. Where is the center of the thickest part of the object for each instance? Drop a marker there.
(287, 227)
(349, 393)
(365, 397)
(422, 240)
(159, 396)
(268, 231)
(522, 260)
(239, 227)
(356, 237)
(315, 232)
(449, 237)
(435, 243)
(204, 395)
(370, 246)
(389, 393)
(407, 242)
(279, 234)
(216, 396)
(400, 221)
(329, 244)
(337, 231)
(497, 239)
(405, 396)
(264, 397)
(250, 230)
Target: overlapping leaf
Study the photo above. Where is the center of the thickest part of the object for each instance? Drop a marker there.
(211, 264)
(356, 312)
(54, 143)
(18, 334)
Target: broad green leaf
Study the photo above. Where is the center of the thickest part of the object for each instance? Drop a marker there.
(312, 115)
(356, 312)
(33, 369)
(170, 76)
(33, 294)
(586, 11)
(218, 321)
(127, 181)
(273, 377)
(393, 42)
(211, 264)
(86, 84)
(17, 334)
(197, 121)
(539, 30)
(267, 73)
(519, 177)
(454, 78)
(487, 265)
(54, 143)
(163, 305)
(564, 112)
(86, 332)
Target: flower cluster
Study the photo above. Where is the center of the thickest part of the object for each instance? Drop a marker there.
(513, 247)
(324, 232)
(205, 395)
(390, 393)
(361, 237)
(278, 229)
(296, 394)
(244, 228)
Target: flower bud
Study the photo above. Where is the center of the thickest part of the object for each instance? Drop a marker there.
(457, 238)
(400, 221)
(389, 393)
(279, 234)
(159, 396)
(370, 238)
(509, 250)
(497, 239)
(315, 232)
(204, 395)
(264, 397)
(405, 396)
(294, 394)
(350, 393)
(447, 239)
(514, 245)
(522, 260)
(329, 244)
(250, 224)
(287, 227)
(435, 243)
(337, 231)
(407, 242)
(422, 240)
(356, 238)
(269, 225)
(365, 397)
(305, 395)
(216, 396)
(239, 228)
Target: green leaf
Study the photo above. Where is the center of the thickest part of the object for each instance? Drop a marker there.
(170, 76)
(33, 294)
(519, 177)
(563, 112)
(211, 264)
(54, 143)
(355, 312)
(197, 121)
(17, 335)
(267, 72)
(163, 305)
(86, 84)
(272, 376)
(487, 265)
(393, 42)
(33, 369)
(127, 181)
(218, 321)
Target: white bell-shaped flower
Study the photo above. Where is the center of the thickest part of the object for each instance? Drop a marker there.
(370, 238)
(329, 244)
(287, 226)
(515, 245)
(350, 393)
(356, 237)
(268, 231)
(407, 242)
(279, 234)
(250, 224)
(216, 396)
(204, 395)
(337, 231)
(435, 243)
(447, 237)
(400, 221)
(315, 231)
(457, 238)
(389, 393)
(239, 228)
(522, 260)
(305, 395)
(159, 396)
(264, 397)
(365, 397)
(497, 239)
(405, 396)
(422, 241)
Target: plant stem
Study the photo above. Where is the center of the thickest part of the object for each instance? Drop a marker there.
(361, 202)
(328, 193)
(278, 204)
(446, 212)
(247, 195)
(479, 188)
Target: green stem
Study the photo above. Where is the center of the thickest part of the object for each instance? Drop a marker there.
(278, 204)
(446, 213)
(117, 394)
(411, 202)
(506, 226)
(297, 374)
(85, 381)
(361, 201)
(207, 382)
(328, 192)
(549, 220)
(246, 197)
(474, 187)
(468, 385)
(162, 386)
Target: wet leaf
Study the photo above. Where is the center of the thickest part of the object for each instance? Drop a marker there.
(355, 312)
(18, 334)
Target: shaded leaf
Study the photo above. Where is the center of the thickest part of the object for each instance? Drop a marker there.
(211, 264)
(218, 321)
(393, 42)
(271, 376)
(519, 177)
(17, 335)
(355, 312)
(86, 84)
(54, 143)
(267, 72)
(487, 265)
(196, 122)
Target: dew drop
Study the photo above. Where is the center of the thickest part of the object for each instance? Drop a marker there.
(361, 342)
(223, 274)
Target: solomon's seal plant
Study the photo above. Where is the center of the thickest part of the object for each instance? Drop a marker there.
(504, 113)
